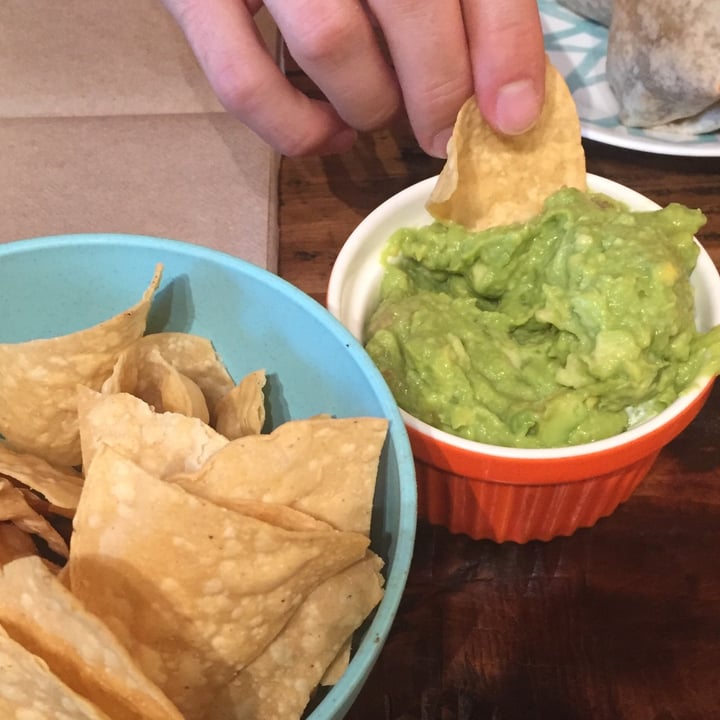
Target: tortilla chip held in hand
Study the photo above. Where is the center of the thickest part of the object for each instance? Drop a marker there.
(491, 179)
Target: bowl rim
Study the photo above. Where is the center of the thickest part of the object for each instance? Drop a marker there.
(340, 696)
(418, 191)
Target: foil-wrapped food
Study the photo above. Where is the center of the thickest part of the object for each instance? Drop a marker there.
(663, 60)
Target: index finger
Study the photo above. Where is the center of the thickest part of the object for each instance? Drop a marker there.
(249, 83)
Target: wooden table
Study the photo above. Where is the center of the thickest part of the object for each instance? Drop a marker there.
(618, 621)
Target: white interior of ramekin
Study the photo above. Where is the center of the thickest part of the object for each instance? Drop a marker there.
(354, 287)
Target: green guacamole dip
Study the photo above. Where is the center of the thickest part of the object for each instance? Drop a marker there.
(565, 330)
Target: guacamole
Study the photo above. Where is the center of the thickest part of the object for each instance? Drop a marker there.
(564, 330)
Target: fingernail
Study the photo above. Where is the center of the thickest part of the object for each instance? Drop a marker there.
(438, 147)
(518, 105)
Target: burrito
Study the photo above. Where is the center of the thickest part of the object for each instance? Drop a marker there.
(663, 60)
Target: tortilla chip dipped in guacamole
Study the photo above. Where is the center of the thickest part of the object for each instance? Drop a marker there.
(491, 179)
(518, 327)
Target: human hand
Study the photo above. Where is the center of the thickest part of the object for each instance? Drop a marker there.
(440, 51)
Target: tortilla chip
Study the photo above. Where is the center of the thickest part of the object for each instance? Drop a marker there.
(192, 356)
(159, 384)
(194, 591)
(339, 665)
(179, 394)
(241, 411)
(14, 543)
(38, 413)
(60, 487)
(491, 179)
(14, 507)
(28, 690)
(37, 611)
(40, 505)
(161, 443)
(325, 467)
(278, 515)
(278, 684)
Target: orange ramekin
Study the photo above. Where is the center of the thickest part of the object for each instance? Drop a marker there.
(491, 496)
(487, 491)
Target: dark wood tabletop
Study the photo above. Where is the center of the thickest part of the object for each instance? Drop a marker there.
(621, 620)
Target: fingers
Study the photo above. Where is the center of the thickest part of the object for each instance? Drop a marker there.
(506, 47)
(428, 45)
(441, 50)
(334, 43)
(250, 85)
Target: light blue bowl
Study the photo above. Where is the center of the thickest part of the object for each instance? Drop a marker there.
(55, 285)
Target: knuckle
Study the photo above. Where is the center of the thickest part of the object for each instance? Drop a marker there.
(327, 36)
(295, 144)
(515, 30)
(184, 11)
(238, 91)
(380, 117)
(438, 108)
(448, 91)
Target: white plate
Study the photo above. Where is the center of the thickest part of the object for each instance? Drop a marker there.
(577, 47)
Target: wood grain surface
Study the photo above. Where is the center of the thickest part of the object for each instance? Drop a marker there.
(621, 620)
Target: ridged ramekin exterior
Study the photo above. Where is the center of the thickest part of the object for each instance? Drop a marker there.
(485, 509)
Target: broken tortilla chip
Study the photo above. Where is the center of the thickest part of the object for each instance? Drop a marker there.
(14, 543)
(241, 411)
(491, 179)
(16, 508)
(60, 487)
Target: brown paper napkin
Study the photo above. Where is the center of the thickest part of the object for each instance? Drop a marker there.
(107, 124)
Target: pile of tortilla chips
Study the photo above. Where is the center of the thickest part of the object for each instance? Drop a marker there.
(161, 556)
